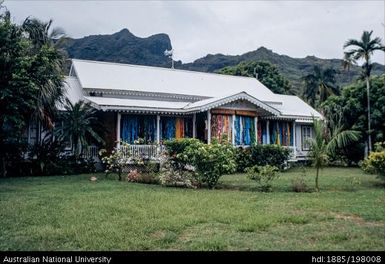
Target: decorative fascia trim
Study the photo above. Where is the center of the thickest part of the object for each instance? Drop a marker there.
(144, 94)
(291, 117)
(142, 110)
(232, 98)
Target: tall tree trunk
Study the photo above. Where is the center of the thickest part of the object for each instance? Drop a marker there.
(3, 167)
(369, 123)
(316, 180)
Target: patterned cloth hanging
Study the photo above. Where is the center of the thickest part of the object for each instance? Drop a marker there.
(237, 126)
(289, 134)
(179, 128)
(246, 130)
(187, 127)
(278, 134)
(220, 126)
(273, 136)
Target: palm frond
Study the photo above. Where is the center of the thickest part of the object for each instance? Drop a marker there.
(341, 140)
(353, 42)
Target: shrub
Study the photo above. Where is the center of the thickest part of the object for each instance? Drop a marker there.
(117, 160)
(210, 161)
(48, 157)
(133, 176)
(263, 175)
(243, 159)
(298, 184)
(274, 155)
(375, 163)
(175, 147)
(136, 176)
(177, 178)
(261, 155)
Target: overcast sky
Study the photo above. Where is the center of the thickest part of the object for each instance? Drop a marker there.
(196, 28)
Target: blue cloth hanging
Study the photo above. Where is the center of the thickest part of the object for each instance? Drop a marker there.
(237, 126)
(263, 131)
(273, 134)
(168, 128)
(129, 131)
(246, 130)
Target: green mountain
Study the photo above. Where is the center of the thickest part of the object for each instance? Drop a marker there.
(124, 47)
(292, 68)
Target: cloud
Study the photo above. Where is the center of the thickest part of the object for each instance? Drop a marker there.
(196, 28)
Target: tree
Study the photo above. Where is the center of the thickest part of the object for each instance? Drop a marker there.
(326, 141)
(17, 91)
(79, 122)
(352, 105)
(47, 68)
(319, 85)
(30, 82)
(266, 72)
(364, 49)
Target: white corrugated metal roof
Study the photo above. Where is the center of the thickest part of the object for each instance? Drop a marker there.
(122, 102)
(115, 76)
(216, 87)
(73, 91)
(294, 106)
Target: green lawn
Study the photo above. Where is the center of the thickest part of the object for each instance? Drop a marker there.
(72, 213)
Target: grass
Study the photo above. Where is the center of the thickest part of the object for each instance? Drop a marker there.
(73, 213)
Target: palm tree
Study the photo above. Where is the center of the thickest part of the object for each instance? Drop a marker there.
(41, 32)
(79, 123)
(319, 85)
(48, 68)
(326, 141)
(363, 49)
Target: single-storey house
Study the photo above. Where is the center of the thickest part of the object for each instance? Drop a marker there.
(145, 105)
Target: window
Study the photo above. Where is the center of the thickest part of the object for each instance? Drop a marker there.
(33, 132)
(306, 134)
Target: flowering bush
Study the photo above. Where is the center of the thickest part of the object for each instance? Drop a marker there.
(117, 160)
(178, 178)
(133, 176)
(375, 163)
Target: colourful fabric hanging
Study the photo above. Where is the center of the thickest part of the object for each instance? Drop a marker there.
(129, 130)
(283, 135)
(264, 132)
(237, 126)
(168, 128)
(273, 137)
(252, 131)
(141, 126)
(278, 136)
(220, 126)
(290, 132)
(179, 128)
(187, 127)
(149, 129)
(259, 129)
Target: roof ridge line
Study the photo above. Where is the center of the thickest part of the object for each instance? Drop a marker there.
(167, 69)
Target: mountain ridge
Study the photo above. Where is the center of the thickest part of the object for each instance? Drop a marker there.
(124, 47)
